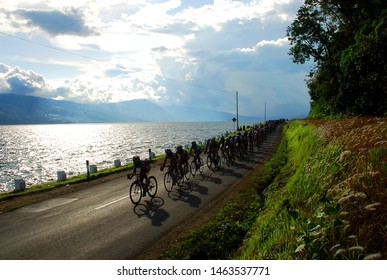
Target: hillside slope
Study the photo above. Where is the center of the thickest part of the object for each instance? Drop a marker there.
(330, 199)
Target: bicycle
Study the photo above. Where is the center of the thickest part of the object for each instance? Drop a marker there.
(197, 165)
(187, 170)
(227, 157)
(239, 153)
(171, 178)
(138, 189)
(213, 161)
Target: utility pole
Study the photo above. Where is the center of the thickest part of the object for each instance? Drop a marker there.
(237, 117)
(265, 111)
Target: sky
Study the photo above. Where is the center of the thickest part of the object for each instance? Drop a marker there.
(192, 53)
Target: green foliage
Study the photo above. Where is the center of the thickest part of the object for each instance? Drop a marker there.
(220, 238)
(348, 42)
(310, 33)
(364, 62)
(274, 235)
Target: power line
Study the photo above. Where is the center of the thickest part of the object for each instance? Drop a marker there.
(50, 47)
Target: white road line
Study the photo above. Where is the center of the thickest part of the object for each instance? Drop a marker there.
(47, 205)
(112, 202)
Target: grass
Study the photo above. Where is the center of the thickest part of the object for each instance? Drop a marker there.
(329, 201)
(323, 195)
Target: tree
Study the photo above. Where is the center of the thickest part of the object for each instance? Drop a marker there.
(311, 33)
(347, 41)
(365, 63)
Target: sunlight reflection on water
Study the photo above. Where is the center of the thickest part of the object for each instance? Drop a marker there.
(36, 152)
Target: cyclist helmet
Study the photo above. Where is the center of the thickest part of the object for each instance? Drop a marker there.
(168, 151)
(193, 144)
(179, 148)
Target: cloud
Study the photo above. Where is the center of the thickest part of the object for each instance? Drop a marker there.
(57, 22)
(261, 73)
(195, 53)
(17, 81)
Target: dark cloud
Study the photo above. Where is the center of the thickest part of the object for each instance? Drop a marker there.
(56, 22)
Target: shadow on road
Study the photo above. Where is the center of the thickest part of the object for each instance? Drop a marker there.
(184, 194)
(231, 172)
(152, 210)
(209, 177)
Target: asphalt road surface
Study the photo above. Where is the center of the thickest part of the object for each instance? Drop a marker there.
(102, 223)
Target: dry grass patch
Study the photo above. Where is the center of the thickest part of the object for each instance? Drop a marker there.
(362, 193)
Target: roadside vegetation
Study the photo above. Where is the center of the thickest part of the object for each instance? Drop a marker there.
(333, 202)
(322, 196)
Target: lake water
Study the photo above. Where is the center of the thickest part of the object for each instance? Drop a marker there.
(36, 152)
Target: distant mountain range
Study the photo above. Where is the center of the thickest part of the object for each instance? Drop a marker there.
(20, 109)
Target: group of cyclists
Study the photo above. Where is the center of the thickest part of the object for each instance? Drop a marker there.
(226, 149)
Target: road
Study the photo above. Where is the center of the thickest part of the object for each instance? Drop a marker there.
(102, 223)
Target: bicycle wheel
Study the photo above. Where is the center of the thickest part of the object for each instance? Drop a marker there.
(211, 163)
(239, 154)
(229, 159)
(224, 158)
(187, 171)
(180, 178)
(168, 182)
(201, 166)
(193, 168)
(152, 188)
(218, 161)
(135, 192)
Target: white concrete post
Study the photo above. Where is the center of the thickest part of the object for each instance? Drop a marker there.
(61, 175)
(93, 168)
(117, 163)
(20, 185)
